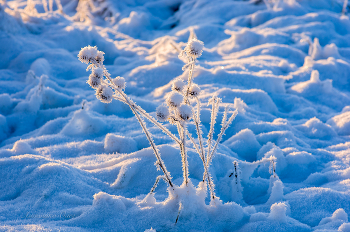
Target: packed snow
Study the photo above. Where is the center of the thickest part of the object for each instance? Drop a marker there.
(72, 158)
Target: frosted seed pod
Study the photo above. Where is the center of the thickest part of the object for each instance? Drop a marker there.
(184, 112)
(104, 94)
(174, 100)
(119, 82)
(100, 58)
(194, 48)
(194, 90)
(94, 81)
(178, 85)
(98, 72)
(87, 54)
(162, 113)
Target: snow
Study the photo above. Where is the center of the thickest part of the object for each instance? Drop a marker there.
(69, 162)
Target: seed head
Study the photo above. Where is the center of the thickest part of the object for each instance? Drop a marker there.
(194, 91)
(99, 57)
(98, 72)
(184, 112)
(194, 48)
(178, 85)
(104, 93)
(174, 100)
(87, 54)
(119, 82)
(94, 81)
(162, 113)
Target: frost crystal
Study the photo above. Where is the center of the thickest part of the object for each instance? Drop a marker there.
(162, 113)
(185, 112)
(194, 90)
(194, 48)
(104, 94)
(178, 85)
(174, 100)
(87, 54)
(119, 82)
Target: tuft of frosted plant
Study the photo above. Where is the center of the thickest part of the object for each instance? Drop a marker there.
(30, 8)
(182, 107)
(88, 9)
(50, 8)
(108, 89)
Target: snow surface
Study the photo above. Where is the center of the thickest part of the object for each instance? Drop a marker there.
(69, 162)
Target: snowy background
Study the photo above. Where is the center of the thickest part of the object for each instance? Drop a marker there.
(71, 163)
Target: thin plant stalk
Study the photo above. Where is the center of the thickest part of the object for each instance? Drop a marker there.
(144, 128)
(223, 129)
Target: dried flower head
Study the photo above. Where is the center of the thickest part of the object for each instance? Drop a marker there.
(104, 93)
(184, 112)
(99, 57)
(97, 72)
(178, 85)
(119, 82)
(94, 81)
(194, 90)
(194, 48)
(162, 113)
(87, 54)
(174, 99)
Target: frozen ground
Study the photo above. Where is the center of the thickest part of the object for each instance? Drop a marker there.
(69, 162)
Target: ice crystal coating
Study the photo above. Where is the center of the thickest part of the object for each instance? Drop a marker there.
(184, 112)
(194, 48)
(104, 94)
(162, 113)
(87, 54)
(174, 100)
(178, 85)
(119, 82)
(194, 90)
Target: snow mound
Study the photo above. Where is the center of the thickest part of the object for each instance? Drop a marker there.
(341, 123)
(120, 144)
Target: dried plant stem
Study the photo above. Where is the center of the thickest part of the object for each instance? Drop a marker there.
(206, 174)
(144, 128)
(214, 111)
(189, 82)
(159, 160)
(182, 129)
(156, 183)
(223, 129)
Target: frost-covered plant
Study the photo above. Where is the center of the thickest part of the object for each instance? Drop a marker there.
(30, 8)
(87, 9)
(182, 107)
(108, 88)
(50, 8)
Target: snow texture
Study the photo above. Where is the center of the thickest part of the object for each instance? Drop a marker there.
(73, 159)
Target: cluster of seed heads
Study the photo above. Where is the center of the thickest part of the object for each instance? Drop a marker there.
(99, 77)
(176, 109)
